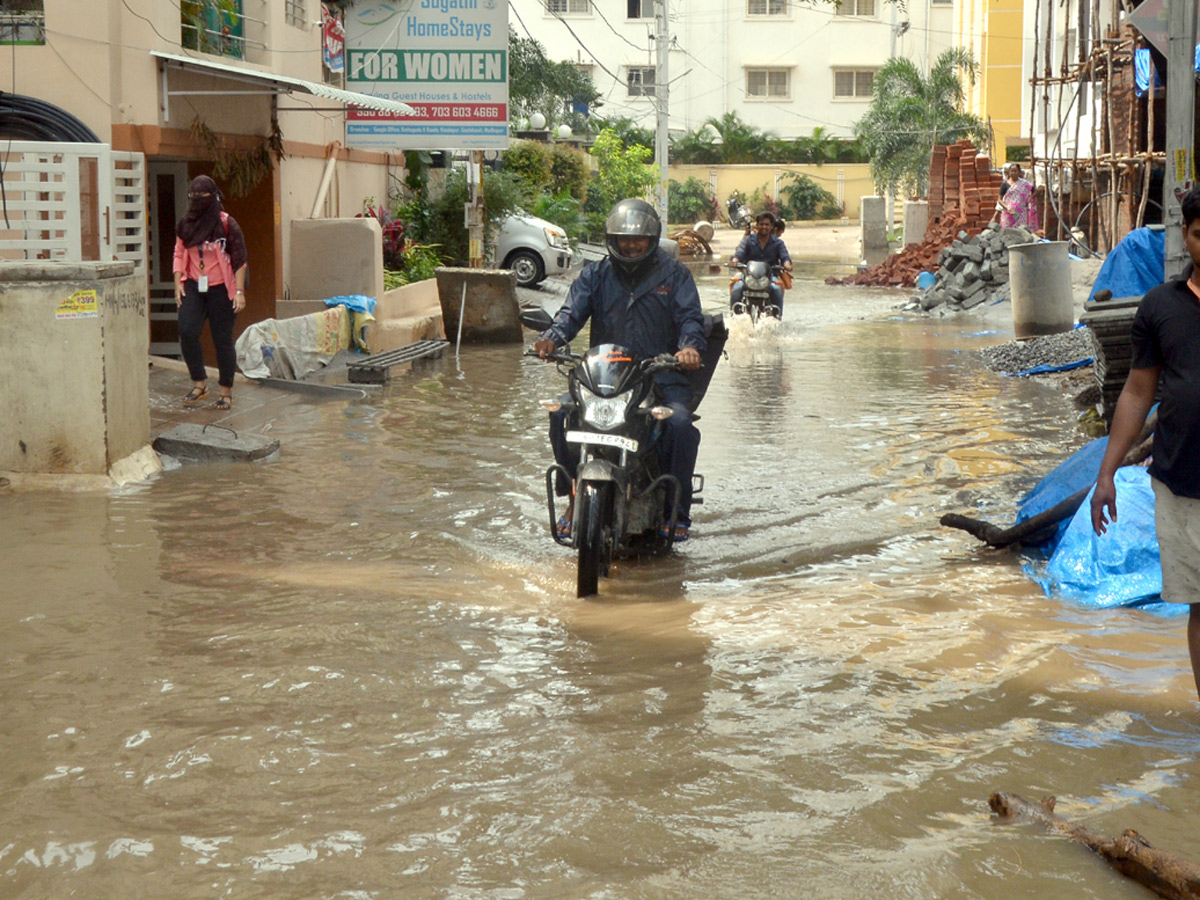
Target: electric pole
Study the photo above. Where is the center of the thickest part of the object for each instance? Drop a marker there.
(1181, 128)
(662, 104)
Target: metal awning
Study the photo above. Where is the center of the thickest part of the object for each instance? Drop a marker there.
(273, 84)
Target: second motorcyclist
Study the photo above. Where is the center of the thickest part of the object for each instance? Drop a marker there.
(762, 244)
(640, 298)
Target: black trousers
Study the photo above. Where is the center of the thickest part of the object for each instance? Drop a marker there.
(215, 306)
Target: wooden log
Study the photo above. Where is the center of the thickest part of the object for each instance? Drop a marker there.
(1167, 874)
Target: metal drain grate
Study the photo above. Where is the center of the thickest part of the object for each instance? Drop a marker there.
(376, 369)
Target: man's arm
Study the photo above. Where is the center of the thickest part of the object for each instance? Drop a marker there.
(572, 314)
(785, 258)
(1132, 407)
(689, 320)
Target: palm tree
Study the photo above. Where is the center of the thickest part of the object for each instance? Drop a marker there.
(909, 113)
(697, 146)
(820, 148)
(740, 142)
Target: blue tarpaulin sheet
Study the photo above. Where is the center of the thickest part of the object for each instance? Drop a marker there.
(1141, 71)
(1118, 568)
(1134, 266)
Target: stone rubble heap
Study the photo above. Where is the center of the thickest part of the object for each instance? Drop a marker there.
(963, 191)
(973, 271)
(1049, 350)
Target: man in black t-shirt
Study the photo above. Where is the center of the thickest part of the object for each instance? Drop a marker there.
(1166, 344)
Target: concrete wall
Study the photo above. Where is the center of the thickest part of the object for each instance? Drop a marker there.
(331, 258)
(849, 182)
(73, 362)
(412, 312)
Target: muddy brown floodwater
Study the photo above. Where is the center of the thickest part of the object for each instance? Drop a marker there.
(360, 671)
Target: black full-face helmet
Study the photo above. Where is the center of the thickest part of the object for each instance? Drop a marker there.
(632, 218)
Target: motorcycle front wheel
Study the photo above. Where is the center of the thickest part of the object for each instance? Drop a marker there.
(593, 516)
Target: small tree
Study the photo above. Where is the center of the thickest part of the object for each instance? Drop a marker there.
(909, 113)
(538, 84)
(623, 172)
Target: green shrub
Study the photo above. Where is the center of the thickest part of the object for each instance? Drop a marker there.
(530, 163)
(416, 263)
(690, 201)
(803, 198)
(568, 172)
(563, 210)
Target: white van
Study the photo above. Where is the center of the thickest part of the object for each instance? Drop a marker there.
(532, 247)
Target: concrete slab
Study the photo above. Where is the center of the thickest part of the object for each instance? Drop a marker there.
(193, 443)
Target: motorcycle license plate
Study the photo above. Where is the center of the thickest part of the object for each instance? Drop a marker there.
(604, 440)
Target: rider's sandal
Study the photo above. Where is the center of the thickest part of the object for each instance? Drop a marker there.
(564, 527)
(681, 533)
(195, 395)
(223, 402)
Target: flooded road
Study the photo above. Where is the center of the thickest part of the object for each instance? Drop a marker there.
(360, 671)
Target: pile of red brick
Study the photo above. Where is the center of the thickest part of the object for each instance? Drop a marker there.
(962, 197)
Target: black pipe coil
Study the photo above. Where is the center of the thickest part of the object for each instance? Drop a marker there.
(31, 119)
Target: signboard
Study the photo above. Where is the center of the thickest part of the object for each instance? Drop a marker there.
(447, 59)
(1151, 20)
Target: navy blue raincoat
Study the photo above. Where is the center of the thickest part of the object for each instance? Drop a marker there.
(660, 315)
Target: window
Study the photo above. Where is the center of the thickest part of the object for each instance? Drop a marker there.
(639, 9)
(293, 12)
(766, 7)
(853, 83)
(568, 7)
(856, 8)
(22, 22)
(768, 84)
(640, 81)
(213, 27)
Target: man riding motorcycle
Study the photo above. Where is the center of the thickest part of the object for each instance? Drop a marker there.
(640, 298)
(765, 245)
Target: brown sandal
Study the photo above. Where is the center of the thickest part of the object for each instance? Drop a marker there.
(195, 395)
(223, 402)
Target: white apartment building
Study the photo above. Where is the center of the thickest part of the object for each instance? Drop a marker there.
(782, 66)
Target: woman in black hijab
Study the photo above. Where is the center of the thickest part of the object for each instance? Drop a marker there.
(210, 283)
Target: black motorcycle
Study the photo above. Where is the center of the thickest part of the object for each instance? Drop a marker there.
(755, 291)
(624, 505)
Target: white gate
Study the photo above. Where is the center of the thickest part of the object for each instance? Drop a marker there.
(72, 202)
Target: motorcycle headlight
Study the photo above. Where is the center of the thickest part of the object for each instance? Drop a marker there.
(758, 283)
(605, 413)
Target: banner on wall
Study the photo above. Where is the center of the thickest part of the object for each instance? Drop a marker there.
(447, 59)
(333, 40)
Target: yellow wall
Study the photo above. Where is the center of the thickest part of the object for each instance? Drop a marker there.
(855, 180)
(993, 31)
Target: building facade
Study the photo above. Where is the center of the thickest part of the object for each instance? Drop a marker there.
(781, 66)
(204, 88)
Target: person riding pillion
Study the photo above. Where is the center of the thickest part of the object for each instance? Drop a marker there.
(641, 299)
(765, 245)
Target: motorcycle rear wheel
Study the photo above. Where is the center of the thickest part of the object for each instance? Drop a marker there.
(595, 539)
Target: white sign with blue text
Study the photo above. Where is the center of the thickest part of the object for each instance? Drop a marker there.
(447, 59)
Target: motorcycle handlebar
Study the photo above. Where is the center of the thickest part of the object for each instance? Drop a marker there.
(560, 354)
(661, 363)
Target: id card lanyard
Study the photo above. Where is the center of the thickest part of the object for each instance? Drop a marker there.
(202, 284)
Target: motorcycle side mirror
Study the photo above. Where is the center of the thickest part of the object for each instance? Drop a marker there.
(537, 319)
